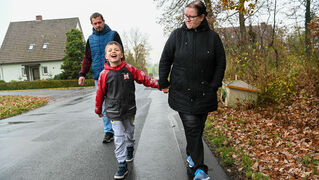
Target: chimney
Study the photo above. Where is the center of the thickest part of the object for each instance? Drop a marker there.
(38, 18)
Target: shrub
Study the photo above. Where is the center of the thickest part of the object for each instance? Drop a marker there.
(42, 84)
(276, 73)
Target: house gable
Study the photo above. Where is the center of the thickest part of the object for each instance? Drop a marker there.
(36, 41)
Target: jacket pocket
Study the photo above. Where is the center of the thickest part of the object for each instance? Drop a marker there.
(112, 106)
(178, 78)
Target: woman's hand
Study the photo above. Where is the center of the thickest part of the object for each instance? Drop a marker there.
(166, 90)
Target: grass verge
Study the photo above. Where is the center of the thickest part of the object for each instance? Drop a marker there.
(234, 160)
(11, 105)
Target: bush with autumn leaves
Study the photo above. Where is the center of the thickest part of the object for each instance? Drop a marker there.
(278, 137)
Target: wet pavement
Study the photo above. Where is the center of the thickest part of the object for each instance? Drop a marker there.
(62, 140)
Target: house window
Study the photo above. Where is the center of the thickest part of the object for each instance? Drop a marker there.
(31, 46)
(45, 45)
(44, 70)
(24, 72)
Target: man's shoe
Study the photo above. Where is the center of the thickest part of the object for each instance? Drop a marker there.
(200, 175)
(130, 157)
(122, 171)
(190, 161)
(108, 137)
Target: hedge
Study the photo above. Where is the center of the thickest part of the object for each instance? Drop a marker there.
(43, 84)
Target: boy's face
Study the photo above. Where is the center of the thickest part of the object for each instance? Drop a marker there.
(114, 54)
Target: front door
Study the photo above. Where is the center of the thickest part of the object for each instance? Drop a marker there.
(35, 73)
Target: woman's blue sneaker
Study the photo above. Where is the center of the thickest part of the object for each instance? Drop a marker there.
(122, 171)
(200, 175)
(190, 161)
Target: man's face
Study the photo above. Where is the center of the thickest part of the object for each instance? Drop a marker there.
(98, 23)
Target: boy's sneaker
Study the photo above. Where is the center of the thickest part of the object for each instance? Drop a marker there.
(200, 175)
(190, 161)
(130, 157)
(122, 171)
(108, 137)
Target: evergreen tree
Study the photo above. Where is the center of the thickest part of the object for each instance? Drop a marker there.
(74, 52)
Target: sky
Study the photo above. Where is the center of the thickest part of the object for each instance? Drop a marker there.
(121, 15)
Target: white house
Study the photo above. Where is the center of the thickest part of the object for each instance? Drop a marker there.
(33, 50)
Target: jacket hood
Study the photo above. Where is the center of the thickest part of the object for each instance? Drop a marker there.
(202, 27)
(104, 31)
(114, 68)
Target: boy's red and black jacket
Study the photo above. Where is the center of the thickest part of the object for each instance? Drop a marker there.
(116, 86)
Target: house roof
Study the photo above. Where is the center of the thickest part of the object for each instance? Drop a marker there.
(21, 35)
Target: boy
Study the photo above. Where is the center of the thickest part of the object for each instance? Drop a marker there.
(116, 84)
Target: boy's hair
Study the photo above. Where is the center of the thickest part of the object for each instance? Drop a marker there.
(114, 43)
(95, 15)
(199, 6)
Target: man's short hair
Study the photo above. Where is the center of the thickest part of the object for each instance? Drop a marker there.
(95, 15)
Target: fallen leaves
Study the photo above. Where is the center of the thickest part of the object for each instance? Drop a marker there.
(11, 105)
(282, 141)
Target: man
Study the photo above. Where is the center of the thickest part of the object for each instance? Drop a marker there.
(95, 56)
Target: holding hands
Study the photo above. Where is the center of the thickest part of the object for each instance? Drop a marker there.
(166, 90)
(100, 115)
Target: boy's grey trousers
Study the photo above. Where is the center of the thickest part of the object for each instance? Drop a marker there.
(123, 137)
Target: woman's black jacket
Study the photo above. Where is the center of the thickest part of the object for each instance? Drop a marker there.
(195, 61)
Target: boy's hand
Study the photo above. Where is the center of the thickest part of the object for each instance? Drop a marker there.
(100, 115)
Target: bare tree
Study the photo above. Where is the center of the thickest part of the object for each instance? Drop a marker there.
(172, 16)
(303, 11)
(307, 34)
(242, 7)
(137, 48)
(274, 35)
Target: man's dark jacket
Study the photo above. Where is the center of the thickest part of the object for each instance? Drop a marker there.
(196, 62)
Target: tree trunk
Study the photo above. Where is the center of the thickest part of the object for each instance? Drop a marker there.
(242, 27)
(307, 34)
(210, 16)
(274, 35)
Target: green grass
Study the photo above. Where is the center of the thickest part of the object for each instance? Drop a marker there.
(11, 105)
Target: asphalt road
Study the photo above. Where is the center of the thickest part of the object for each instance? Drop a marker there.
(63, 140)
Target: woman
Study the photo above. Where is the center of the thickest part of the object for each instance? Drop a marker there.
(194, 57)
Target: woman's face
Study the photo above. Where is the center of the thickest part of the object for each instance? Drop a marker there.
(192, 20)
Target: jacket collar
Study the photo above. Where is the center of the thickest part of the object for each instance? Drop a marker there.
(104, 31)
(114, 68)
(202, 27)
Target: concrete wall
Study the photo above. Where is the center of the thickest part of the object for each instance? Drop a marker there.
(235, 96)
(54, 68)
(9, 72)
